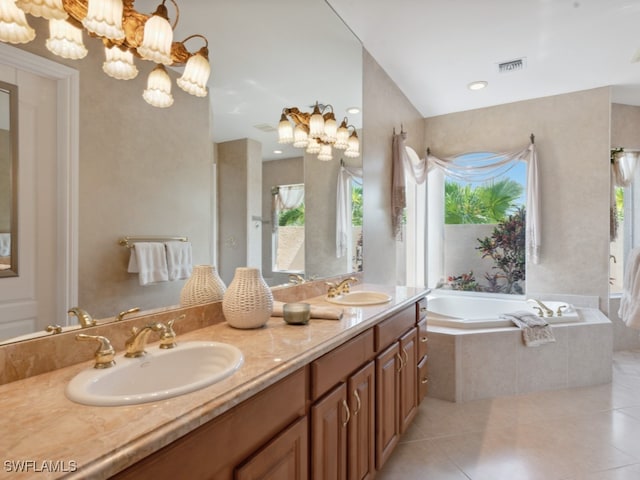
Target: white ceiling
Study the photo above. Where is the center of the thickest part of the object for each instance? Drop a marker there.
(267, 55)
(433, 49)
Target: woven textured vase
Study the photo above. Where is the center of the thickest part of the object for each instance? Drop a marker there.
(248, 302)
(204, 286)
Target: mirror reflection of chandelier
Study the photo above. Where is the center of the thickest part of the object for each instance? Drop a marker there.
(125, 33)
(318, 132)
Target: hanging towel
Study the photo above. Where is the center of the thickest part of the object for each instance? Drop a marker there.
(535, 330)
(179, 263)
(317, 311)
(149, 261)
(629, 310)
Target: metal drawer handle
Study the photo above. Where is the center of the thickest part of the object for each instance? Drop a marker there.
(401, 361)
(406, 357)
(423, 309)
(424, 381)
(348, 413)
(424, 339)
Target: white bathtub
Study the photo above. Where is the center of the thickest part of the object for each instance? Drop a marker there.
(466, 311)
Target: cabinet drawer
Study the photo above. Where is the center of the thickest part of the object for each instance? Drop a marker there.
(422, 338)
(421, 309)
(423, 380)
(337, 365)
(389, 330)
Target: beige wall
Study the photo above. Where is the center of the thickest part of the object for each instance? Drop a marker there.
(143, 171)
(625, 126)
(385, 107)
(572, 140)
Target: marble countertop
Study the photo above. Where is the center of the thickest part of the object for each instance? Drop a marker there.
(44, 434)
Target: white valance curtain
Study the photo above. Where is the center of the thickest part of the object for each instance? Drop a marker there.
(344, 207)
(623, 168)
(491, 165)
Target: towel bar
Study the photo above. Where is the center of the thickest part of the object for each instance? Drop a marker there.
(129, 242)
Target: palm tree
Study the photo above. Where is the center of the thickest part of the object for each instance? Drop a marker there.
(489, 203)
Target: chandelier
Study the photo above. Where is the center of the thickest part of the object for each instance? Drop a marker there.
(125, 34)
(318, 132)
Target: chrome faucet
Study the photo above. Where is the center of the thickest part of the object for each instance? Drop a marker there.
(138, 340)
(343, 287)
(121, 315)
(83, 317)
(547, 311)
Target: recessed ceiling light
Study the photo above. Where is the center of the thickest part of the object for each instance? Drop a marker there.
(477, 85)
(353, 110)
(278, 152)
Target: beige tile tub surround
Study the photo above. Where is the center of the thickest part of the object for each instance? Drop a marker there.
(467, 365)
(32, 357)
(40, 423)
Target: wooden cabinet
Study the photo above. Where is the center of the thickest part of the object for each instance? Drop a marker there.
(408, 378)
(343, 431)
(423, 342)
(283, 458)
(387, 402)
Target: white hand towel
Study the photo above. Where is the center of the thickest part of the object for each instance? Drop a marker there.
(5, 244)
(179, 261)
(151, 260)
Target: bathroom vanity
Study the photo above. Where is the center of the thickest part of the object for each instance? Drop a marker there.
(325, 400)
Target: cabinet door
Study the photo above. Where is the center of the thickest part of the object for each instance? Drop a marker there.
(408, 378)
(361, 428)
(387, 403)
(283, 458)
(329, 419)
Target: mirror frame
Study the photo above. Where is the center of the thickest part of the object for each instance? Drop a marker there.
(13, 125)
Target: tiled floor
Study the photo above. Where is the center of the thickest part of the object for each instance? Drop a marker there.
(590, 433)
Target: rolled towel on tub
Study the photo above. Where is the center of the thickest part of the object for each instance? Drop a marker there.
(317, 311)
(535, 330)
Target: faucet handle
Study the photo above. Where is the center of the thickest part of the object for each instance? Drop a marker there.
(168, 335)
(104, 354)
(121, 315)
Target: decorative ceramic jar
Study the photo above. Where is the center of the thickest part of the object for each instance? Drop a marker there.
(248, 302)
(204, 286)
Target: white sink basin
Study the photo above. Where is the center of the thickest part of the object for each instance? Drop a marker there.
(360, 298)
(158, 375)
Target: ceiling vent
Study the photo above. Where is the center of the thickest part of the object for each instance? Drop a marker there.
(511, 66)
(265, 127)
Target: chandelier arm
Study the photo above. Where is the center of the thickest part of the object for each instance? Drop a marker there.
(173, 27)
(206, 42)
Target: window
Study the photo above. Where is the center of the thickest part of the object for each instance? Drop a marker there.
(288, 229)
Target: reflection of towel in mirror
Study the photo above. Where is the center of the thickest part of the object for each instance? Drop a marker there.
(317, 311)
(5, 244)
(629, 311)
(149, 260)
(179, 260)
(535, 330)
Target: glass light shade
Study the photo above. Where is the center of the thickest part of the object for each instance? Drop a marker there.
(325, 153)
(104, 18)
(300, 136)
(313, 147)
(342, 137)
(330, 129)
(65, 40)
(49, 9)
(353, 150)
(156, 43)
(195, 76)
(158, 91)
(285, 130)
(316, 123)
(119, 64)
(13, 24)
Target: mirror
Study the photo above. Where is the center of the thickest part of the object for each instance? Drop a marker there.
(8, 180)
(260, 65)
